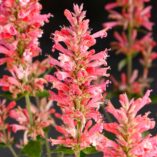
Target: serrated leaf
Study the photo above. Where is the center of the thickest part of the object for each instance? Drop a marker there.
(65, 150)
(32, 149)
(89, 150)
(122, 64)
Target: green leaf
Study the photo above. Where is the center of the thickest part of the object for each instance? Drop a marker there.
(82, 154)
(32, 149)
(42, 94)
(2, 145)
(64, 150)
(122, 64)
(154, 99)
(89, 150)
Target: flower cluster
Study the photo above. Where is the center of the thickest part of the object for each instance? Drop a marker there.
(5, 128)
(78, 71)
(132, 16)
(20, 23)
(130, 130)
(41, 119)
(25, 78)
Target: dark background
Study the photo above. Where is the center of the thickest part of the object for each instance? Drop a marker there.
(97, 16)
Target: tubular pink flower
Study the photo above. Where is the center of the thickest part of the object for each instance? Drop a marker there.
(25, 78)
(131, 10)
(5, 132)
(129, 129)
(132, 16)
(136, 87)
(20, 22)
(20, 29)
(41, 119)
(77, 70)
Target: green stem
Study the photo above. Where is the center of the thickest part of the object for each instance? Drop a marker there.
(28, 106)
(12, 151)
(130, 42)
(47, 147)
(62, 154)
(77, 153)
(77, 149)
(129, 67)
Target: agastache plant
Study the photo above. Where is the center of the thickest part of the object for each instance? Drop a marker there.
(72, 98)
(132, 18)
(78, 69)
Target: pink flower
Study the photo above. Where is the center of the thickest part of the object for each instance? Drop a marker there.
(147, 45)
(89, 136)
(5, 132)
(129, 129)
(20, 29)
(135, 11)
(24, 29)
(41, 119)
(132, 16)
(25, 78)
(24, 2)
(122, 44)
(133, 85)
(77, 71)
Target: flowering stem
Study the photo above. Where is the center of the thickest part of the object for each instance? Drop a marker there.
(77, 149)
(28, 106)
(47, 147)
(12, 151)
(129, 66)
(145, 73)
(129, 55)
(130, 40)
(77, 153)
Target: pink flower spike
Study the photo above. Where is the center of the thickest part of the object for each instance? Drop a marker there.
(129, 129)
(78, 71)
